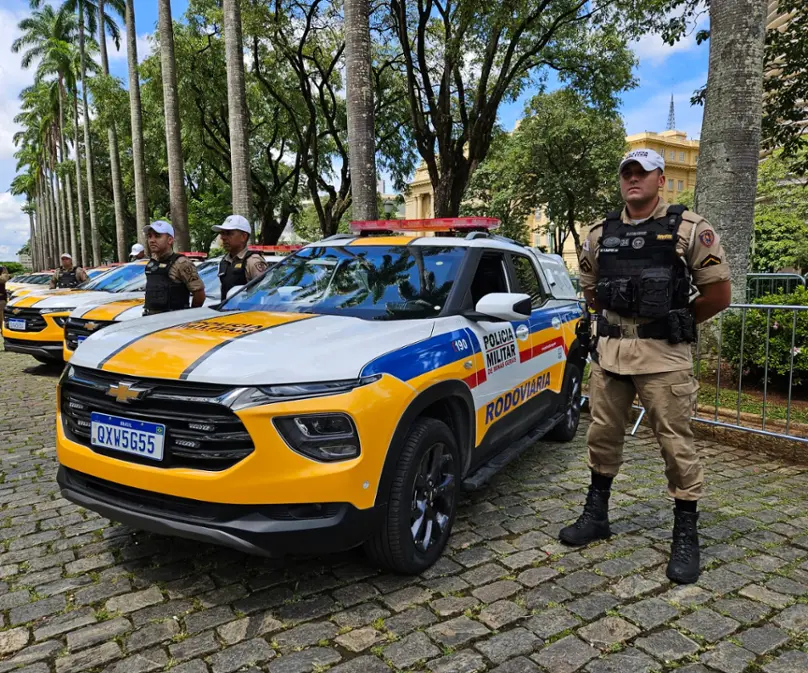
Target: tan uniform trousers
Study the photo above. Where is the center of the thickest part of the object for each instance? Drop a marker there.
(668, 399)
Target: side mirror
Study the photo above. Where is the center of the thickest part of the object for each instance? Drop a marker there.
(233, 291)
(507, 306)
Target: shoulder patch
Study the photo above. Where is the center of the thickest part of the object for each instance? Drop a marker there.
(707, 238)
(710, 260)
(585, 245)
(585, 265)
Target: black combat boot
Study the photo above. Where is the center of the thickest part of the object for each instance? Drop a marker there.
(685, 557)
(593, 524)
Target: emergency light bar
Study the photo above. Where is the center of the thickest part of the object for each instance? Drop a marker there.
(275, 248)
(433, 224)
(196, 255)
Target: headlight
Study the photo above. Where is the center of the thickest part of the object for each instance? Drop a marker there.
(326, 438)
(254, 397)
(60, 320)
(45, 311)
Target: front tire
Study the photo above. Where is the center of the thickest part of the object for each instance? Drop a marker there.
(422, 503)
(567, 428)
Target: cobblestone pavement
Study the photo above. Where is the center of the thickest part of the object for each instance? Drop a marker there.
(78, 593)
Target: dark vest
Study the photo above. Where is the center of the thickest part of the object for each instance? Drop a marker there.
(640, 275)
(3, 292)
(162, 293)
(67, 278)
(232, 274)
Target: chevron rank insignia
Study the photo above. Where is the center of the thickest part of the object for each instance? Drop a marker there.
(710, 260)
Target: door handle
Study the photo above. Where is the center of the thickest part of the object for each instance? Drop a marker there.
(522, 332)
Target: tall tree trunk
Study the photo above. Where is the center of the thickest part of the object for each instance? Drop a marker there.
(64, 234)
(114, 153)
(361, 121)
(237, 112)
(726, 180)
(43, 233)
(32, 238)
(176, 171)
(88, 150)
(35, 238)
(68, 185)
(60, 222)
(136, 114)
(54, 223)
(84, 257)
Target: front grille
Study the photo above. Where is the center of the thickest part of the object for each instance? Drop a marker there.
(77, 327)
(34, 322)
(160, 504)
(201, 432)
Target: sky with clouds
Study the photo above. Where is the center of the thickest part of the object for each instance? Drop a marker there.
(662, 71)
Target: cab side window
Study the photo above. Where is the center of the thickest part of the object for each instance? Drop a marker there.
(489, 277)
(527, 280)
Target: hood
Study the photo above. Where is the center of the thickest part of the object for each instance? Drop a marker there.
(246, 348)
(127, 306)
(66, 299)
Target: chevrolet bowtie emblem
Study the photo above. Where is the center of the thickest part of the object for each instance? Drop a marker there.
(16, 311)
(123, 392)
(91, 326)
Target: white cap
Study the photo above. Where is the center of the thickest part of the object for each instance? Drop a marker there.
(66, 254)
(234, 223)
(136, 250)
(648, 159)
(160, 227)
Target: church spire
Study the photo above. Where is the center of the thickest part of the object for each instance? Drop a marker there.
(671, 117)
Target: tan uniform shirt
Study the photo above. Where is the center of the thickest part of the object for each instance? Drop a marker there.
(184, 271)
(254, 266)
(81, 275)
(700, 248)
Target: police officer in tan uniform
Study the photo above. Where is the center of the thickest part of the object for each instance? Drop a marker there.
(240, 265)
(171, 278)
(67, 275)
(638, 271)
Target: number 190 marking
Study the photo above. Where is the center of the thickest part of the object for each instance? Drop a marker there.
(460, 345)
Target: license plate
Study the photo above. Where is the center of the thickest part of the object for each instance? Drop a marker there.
(128, 435)
(17, 324)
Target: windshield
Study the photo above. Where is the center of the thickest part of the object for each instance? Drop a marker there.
(116, 280)
(371, 282)
(210, 277)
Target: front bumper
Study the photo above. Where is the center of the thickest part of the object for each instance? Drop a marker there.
(43, 349)
(268, 530)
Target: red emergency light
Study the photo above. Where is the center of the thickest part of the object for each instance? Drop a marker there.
(196, 255)
(275, 248)
(430, 224)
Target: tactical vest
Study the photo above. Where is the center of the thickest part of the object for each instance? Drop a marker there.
(640, 274)
(162, 293)
(3, 292)
(67, 278)
(232, 274)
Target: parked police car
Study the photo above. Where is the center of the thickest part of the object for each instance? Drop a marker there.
(343, 398)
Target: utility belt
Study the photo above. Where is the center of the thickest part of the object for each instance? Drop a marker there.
(678, 327)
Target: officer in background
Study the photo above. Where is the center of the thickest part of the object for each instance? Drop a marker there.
(137, 252)
(3, 292)
(67, 275)
(171, 278)
(240, 265)
(638, 268)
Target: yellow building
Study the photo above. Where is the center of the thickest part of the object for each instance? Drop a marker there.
(681, 156)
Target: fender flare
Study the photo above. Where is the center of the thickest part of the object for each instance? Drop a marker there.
(463, 427)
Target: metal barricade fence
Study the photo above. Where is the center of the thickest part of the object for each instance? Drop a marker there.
(766, 347)
(759, 284)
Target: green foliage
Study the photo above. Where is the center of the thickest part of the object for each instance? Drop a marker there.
(562, 158)
(781, 218)
(13, 268)
(785, 87)
(686, 198)
(780, 335)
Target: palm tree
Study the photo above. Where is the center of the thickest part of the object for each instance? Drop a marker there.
(136, 113)
(726, 181)
(176, 172)
(361, 121)
(237, 109)
(112, 133)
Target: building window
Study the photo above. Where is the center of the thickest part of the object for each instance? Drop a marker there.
(670, 184)
(681, 185)
(671, 155)
(682, 157)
